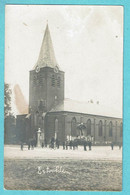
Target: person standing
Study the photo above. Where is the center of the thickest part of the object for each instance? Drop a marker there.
(57, 143)
(70, 144)
(119, 146)
(63, 145)
(42, 144)
(66, 144)
(29, 144)
(52, 142)
(90, 145)
(45, 141)
(73, 144)
(21, 145)
(85, 145)
(112, 145)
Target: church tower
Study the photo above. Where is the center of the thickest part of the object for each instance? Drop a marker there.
(46, 87)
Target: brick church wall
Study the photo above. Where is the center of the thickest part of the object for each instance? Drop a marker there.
(50, 126)
(65, 119)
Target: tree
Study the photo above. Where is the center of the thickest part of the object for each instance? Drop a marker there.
(7, 100)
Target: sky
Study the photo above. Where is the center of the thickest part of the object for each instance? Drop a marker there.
(88, 45)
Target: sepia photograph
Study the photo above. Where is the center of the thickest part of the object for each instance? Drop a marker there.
(63, 97)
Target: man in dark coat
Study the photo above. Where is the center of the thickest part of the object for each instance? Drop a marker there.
(66, 144)
(112, 146)
(70, 144)
(29, 144)
(63, 145)
(21, 145)
(45, 141)
(85, 145)
(52, 142)
(90, 145)
(57, 143)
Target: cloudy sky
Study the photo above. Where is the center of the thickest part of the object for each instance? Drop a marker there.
(88, 44)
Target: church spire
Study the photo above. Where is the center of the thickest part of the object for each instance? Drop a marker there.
(47, 55)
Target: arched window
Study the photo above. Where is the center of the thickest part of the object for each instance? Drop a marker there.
(88, 127)
(53, 81)
(73, 127)
(121, 130)
(41, 104)
(110, 129)
(56, 128)
(100, 128)
(58, 82)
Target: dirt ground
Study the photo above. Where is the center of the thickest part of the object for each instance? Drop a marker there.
(97, 153)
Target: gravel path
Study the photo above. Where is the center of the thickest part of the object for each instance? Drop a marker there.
(97, 153)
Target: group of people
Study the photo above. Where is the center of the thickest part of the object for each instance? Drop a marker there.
(31, 144)
(68, 144)
(55, 144)
(112, 145)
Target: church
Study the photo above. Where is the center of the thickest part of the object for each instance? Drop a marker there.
(58, 117)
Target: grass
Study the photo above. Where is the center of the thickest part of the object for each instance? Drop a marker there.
(84, 175)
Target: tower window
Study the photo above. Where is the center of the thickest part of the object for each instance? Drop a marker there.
(53, 81)
(58, 81)
(34, 79)
(40, 79)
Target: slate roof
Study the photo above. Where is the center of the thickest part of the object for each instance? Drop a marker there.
(47, 55)
(86, 108)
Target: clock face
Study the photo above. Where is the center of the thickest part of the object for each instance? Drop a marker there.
(56, 69)
(37, 69)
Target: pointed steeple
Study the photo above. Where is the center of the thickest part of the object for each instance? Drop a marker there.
(47, 55)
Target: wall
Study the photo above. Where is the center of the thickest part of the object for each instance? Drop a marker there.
(50, 120)
(65, 118)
